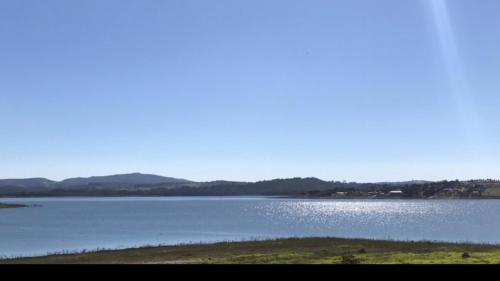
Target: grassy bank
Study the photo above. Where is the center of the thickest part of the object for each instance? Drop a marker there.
(289, 251)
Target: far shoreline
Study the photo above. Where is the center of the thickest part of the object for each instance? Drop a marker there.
(390, 198)
(11, 206)
(4, 205)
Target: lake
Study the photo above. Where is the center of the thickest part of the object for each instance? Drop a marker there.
(75, 224)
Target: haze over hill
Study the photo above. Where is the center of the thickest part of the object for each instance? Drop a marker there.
(109, 182)
(134, 178)
(148, 182)
(30, 184)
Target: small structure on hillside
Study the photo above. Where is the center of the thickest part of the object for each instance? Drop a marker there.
(395, 193)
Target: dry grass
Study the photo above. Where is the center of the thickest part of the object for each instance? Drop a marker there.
(292, 251)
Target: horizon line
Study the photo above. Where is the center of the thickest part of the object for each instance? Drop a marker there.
(269, 179)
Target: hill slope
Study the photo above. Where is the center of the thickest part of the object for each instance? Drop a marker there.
(132, 179)
(8, 186)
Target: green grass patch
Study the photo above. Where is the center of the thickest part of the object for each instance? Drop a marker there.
(492, 191)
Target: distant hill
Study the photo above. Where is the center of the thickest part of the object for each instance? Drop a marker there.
(137, 184)
(292, 186)
(9, 186)
(128, 179)
(406, 182)
(145, 184)
(27, 183)
(41, 186)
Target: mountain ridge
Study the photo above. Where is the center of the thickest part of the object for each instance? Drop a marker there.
(137, 184)
(131, 178)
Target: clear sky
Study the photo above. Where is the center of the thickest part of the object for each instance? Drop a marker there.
(356, 90)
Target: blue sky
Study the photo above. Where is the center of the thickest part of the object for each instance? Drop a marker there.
(247, 90)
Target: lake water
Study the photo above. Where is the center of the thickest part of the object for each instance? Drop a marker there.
(75, 224)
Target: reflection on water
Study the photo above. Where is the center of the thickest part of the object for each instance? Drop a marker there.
(74, 224)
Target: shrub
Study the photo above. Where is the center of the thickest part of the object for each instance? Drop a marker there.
(349, 259)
